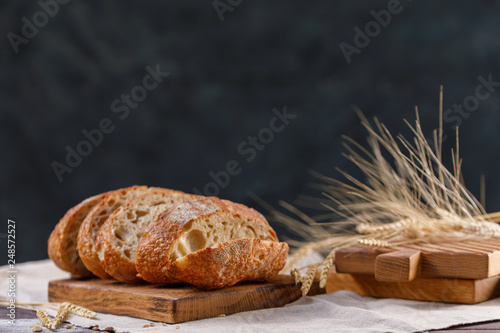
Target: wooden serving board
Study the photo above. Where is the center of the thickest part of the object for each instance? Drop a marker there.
(425, 289)
(464, 259)
(174, 303)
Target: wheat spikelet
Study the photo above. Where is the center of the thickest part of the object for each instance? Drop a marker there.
(63, 310)
(296, 275)
(61, 315)
(44, 318)
(481, 229)
(325, 268)
(369, 229)
(79, 311)
(373, 242)
(308, 279)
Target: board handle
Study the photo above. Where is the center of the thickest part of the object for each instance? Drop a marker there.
(398, 266)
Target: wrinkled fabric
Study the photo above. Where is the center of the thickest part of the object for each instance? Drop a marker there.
(343, 311)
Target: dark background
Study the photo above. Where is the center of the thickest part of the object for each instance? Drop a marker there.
(225, 79)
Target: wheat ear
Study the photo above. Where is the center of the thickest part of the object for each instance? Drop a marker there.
(308, 279)
(325, 268)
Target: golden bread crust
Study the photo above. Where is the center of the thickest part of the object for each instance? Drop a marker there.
(247, 259)
(182, 245)
(154, 252)
(113, 261)
(63, 239)
(92, 223)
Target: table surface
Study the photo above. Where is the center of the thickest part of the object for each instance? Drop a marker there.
(334, 311)
(477, 328)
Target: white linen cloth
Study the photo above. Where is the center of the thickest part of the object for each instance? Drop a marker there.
(342, 311)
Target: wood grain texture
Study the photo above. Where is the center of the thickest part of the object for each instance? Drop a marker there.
(174, 303)
(397, 266)
(427, 289)
(464, 260)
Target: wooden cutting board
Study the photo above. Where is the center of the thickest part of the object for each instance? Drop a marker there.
(465, 260)
(174, 303)
(426, 289)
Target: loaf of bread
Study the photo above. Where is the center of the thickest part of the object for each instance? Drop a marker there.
(166, 236)
(95, 219)
(211, 243)
(117, 239)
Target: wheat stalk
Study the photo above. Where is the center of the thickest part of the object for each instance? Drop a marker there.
(63, 310)
(410, 198)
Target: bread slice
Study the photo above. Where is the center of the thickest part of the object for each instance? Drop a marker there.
(95, 219)
(211, 243)
(117, 239)
(62, 241)
(247, 259)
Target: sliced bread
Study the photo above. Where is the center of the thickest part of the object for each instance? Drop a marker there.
(202, 241)
(247, 259)
(62, 241)
(117, 239)
(95, 219)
